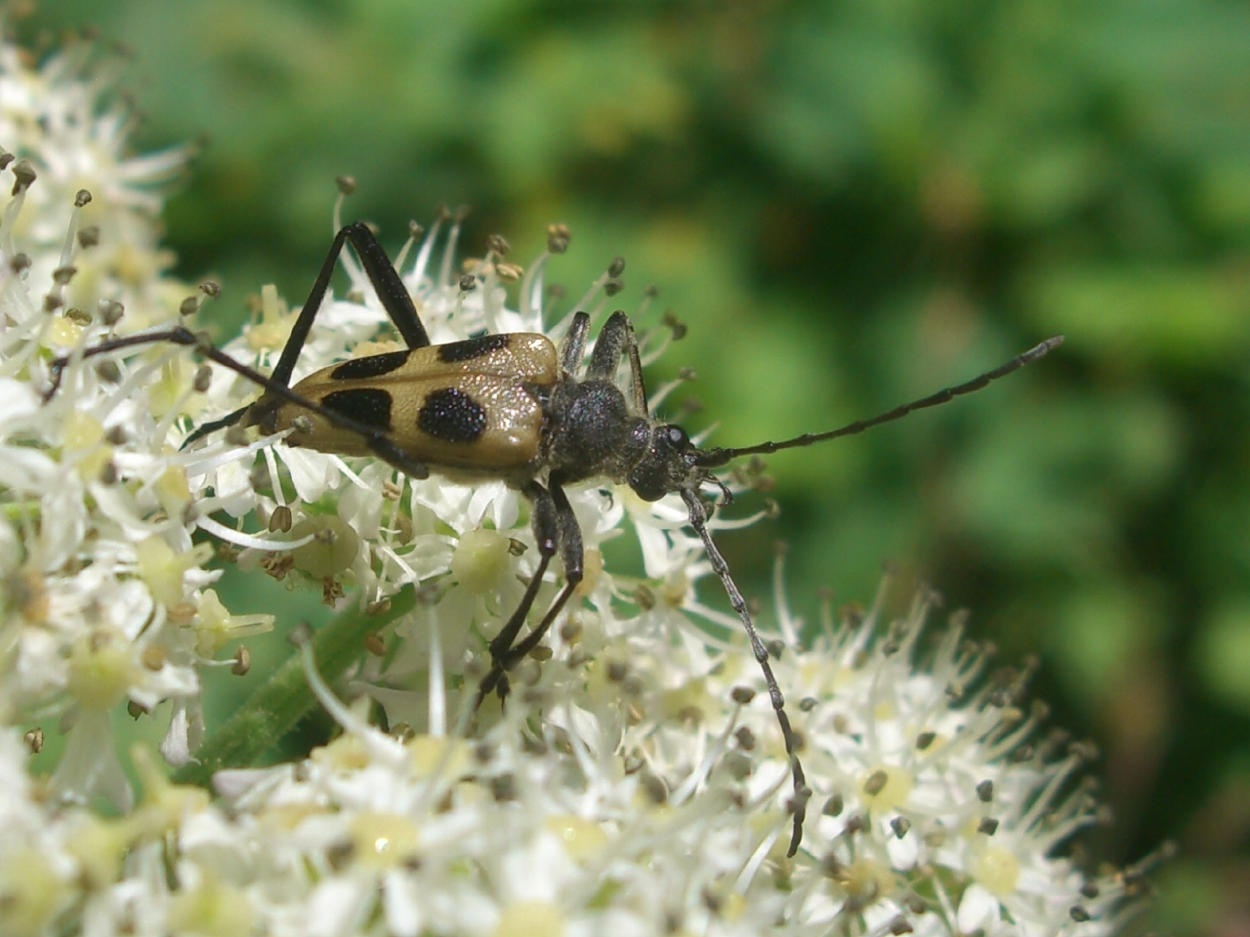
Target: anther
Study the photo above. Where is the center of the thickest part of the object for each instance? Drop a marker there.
(23, 175)
(558, 236)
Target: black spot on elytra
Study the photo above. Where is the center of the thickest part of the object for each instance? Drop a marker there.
(366, 405)
(452, 416)
(472, 348)
(370, 365)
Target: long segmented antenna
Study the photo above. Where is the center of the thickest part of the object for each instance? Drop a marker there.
(712, 458)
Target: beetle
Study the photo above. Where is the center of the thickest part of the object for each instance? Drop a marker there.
(515, 407)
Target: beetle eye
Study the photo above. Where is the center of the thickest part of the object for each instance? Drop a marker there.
(677, 437)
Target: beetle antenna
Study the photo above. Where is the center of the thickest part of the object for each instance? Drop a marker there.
(379, 443)
(698, 520)
(712, 458)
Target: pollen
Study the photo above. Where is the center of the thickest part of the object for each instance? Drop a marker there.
(215, 625)
(163, 569)
(173, 490)
(435, 753)
(30, 891)
(101, 668)
(996, 868)
(592, 570)
(84, 437)
(886, 789)
(211, 908)
(383, 840)
(64, 332)
(525, 918)
(481, 558)
(581, 838)
(275, 322)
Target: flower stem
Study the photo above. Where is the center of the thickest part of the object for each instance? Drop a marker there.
(285, 698)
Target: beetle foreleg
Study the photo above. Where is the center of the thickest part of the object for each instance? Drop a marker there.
(574, 345)
(617, 338)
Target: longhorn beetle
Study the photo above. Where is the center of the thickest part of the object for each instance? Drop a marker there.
(511, 407)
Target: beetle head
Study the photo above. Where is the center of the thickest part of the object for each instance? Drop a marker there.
(669, 463)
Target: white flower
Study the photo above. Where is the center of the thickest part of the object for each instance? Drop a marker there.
(102, 587)
(633, 804)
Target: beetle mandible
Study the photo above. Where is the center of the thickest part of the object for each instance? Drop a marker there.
(514, 407)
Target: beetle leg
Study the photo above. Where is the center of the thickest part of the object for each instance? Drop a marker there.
(572, 556)
(399, 308)
(395, 300)
(386, 283)
(574, 345)
(379, 443)
(547, 535)
(555, 527)
(616, 338)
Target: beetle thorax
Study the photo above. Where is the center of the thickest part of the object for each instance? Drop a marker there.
(591, 431)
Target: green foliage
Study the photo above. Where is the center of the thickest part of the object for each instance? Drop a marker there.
(850, 204)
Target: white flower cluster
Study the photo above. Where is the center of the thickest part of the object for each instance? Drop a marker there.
(634, 783)
(103, 590)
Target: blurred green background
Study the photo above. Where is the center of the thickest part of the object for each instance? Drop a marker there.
(851, 204)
